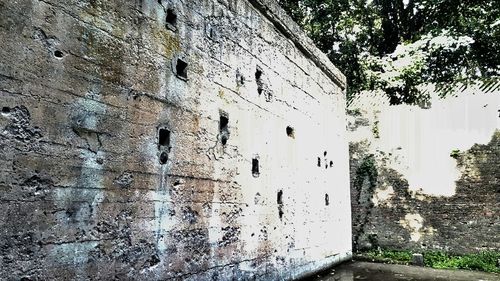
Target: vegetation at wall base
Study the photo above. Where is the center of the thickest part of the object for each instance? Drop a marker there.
(386, 256)
(483, 261)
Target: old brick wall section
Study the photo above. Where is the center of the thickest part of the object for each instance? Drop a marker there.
(404, 161)
(159, 140)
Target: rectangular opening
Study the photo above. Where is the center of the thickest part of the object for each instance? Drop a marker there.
(255, 167)
(258, 80)
(223, 122)
(290, 132)
(164, 137)
(258, 74)
(280, 204)
(181, 69)
(171, 17)
(223, 129)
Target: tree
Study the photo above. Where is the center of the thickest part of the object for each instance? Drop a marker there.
(448, 41)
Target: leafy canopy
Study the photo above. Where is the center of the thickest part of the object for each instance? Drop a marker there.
(396, 45)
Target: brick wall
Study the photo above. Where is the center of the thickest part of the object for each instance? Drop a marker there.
(426, 179)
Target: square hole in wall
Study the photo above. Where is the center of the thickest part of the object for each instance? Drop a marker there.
(181, 69)
(224, 128)
(280, 204)
(171, 19)
(258, 74)
(223, 122)
(279, 198)
(290, 132)
(255, 167)
(164, 137)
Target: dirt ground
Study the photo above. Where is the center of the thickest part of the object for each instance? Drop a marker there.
(366, 271)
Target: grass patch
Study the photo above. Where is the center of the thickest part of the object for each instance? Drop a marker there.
(483, 261)
(387, 256)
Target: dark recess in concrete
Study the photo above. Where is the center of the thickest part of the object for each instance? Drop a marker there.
(163, 158)
(58, 54)
(171, 19)
(164, 137)
(290, 132)
(181, 69)
(224, 128)
(255, 167)
(279, 200)
(258, 79)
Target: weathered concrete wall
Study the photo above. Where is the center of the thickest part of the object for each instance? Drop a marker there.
(148, 140)
(426, 179)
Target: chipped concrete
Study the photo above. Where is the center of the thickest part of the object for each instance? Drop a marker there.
(128, 134)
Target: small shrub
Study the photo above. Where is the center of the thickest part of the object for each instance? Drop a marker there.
(455, 153)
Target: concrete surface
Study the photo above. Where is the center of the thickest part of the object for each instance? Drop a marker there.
(168, 140)
(357, 271)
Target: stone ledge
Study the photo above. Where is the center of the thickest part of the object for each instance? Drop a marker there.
(274, 13)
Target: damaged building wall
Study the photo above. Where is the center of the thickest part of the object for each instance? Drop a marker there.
(166, 140)
(426, 178)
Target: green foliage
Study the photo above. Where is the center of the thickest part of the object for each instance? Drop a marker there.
(389, 256)
(368, 169)
(455, 153)
(484, 261)
(350, 30)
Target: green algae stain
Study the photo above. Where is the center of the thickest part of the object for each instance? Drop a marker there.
(169, 44)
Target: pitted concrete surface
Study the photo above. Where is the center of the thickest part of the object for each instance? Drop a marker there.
(168, 140)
